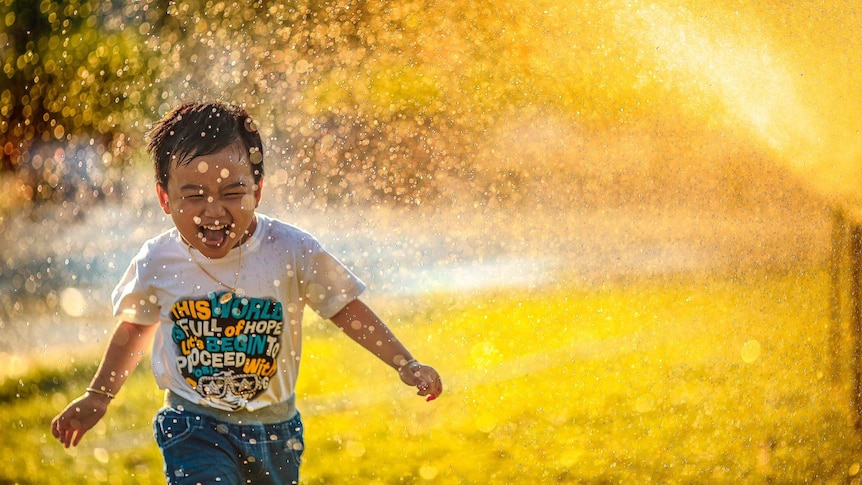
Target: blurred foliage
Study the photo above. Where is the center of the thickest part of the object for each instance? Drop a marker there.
(65, 98)
(373, 101)
(352, 111)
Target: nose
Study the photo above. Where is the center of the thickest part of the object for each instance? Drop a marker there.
(214, 207)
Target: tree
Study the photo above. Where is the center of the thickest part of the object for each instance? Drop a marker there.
(73, 77)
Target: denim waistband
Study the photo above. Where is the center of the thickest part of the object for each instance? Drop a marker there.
(274, 413)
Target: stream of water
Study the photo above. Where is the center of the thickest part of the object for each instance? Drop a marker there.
(58, 271)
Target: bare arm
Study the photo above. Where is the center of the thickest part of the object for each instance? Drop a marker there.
(361, 324)
(128, 343)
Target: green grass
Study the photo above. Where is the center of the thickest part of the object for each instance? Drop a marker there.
(676, 380)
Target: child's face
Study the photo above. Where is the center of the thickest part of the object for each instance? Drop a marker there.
(212, 200)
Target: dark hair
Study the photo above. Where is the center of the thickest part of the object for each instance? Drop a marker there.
(196, 129)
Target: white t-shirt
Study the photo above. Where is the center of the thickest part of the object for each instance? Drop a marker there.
(243, 353)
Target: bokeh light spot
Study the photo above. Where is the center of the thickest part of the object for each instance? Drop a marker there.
(72, 302)
(750, 351)
(428, 471)
(355, 449)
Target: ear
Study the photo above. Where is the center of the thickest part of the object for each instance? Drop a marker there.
(163, 198)
(258, 192)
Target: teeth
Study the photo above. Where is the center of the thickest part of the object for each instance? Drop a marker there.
(214, 228)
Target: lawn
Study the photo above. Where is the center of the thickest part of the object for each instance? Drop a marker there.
(684, 379)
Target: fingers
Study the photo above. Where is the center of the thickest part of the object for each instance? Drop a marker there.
(67, 431)
(76, 436)
(436, 389)
(61, 431)
(78, 417)
(429, 384)
(424, 378)
(66, 437)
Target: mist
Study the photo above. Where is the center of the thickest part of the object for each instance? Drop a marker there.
(598, 154)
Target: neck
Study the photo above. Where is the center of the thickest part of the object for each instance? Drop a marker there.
(249, 232)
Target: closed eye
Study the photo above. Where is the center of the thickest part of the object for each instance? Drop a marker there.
(234, 190)
(191, 192)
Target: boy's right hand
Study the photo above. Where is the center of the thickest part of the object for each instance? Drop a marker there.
(79, 417)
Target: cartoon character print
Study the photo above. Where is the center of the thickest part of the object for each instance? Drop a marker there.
(227, 347)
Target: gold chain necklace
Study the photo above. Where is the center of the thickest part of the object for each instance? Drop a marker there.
(233, 290)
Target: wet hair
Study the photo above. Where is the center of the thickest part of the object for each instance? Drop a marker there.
(197, 129)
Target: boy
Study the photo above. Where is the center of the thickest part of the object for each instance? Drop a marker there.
(221, 297)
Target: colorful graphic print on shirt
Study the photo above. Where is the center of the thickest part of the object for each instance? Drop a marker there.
(227, 351)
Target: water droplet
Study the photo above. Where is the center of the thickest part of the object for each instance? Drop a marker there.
(355, 449)
(428, 471)
(203, 167)
(72, 302)
(294, 444)
(302, 66)
(750, 351)
(101, 455)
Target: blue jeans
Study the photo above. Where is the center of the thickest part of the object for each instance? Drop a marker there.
(199, 449)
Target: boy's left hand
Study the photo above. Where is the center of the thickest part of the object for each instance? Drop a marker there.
(424, 378)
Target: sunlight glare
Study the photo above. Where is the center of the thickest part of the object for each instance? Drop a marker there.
(733, 71)
(744, 74)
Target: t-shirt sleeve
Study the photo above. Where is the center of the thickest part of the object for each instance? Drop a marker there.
(134, 300)
(327, 285)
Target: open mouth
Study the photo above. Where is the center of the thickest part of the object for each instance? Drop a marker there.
(215, 235)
